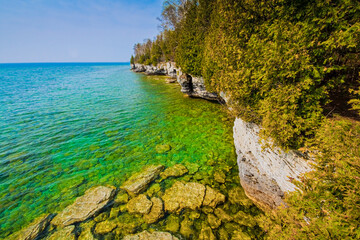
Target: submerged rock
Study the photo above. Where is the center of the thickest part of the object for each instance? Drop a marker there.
(221, 214)
(105, 227)
(140, 204)
(85, 206)
(156, 212)
(244, 219)
(206, 234)
(67, 233)
(187, 228)
(172, 223)
(162, 148)
(184, 195)
(138, 182)
(220, 176)
(213, 197)
(237, 196)
(121, 198)
(34, 229)
(145, 235)
(86, 233)
(174, 171)
(213, 221)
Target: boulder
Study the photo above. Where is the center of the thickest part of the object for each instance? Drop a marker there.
(174, 171)
(67, 233)
(213, 197)
(34, 229)
(184, 195)
(140, 204)
(139, 182)
(145, 235)
(85, 206)
(156, 212)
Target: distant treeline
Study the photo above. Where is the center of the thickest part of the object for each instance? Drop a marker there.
(288, 65)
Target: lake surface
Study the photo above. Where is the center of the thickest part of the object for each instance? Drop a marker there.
(66, 127)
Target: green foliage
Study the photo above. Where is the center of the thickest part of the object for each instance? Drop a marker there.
(132, 59)
(327, 206)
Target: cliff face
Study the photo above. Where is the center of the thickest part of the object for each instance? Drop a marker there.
(265, 174)
(190, 85)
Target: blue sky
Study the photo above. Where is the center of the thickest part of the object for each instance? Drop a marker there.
(75, 30)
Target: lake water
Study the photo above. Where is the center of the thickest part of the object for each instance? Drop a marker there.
(65, 127)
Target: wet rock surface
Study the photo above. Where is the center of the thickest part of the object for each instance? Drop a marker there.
(156, 211)
(174, 171)
(140, 204)
(138, 182)
(145, 235)
(85, 206)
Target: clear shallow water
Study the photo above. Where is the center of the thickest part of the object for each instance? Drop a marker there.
(67, 127)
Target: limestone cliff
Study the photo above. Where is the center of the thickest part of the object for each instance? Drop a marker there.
(190, 85)
(265, 174)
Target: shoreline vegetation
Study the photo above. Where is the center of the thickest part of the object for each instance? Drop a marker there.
(291, 67)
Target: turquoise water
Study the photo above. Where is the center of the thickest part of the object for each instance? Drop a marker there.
(67, 127)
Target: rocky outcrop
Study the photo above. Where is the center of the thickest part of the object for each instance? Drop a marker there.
(151, 236)
(190, 85)
(265, 174)
(138, 182)
(85, 206)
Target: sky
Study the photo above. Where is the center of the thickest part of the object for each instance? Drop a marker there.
(75, 30)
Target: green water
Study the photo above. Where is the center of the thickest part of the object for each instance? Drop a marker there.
(68, 127)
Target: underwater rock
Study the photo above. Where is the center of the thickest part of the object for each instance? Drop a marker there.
(220, 176)
(239, 235)
(140, 204)
(85, 206)
(155, 188)
(206, 234)
(170, 80)
(121, 198)
(187, 229)
(223, 234)
(184, 195)
(156, 212)
(192, 167)
(221, 214)
(172, 223)
(145, 235)
(162, 148)
(67, 233)
(213, 221)
(175, 171)
(105, 227)
(213, 197)
(244, 219)
(237, 196)
(86, 233)
(139, 181)
(34, 229)
(101, 217)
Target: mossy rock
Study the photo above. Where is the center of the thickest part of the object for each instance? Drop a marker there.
(162, 148)
(172, 223)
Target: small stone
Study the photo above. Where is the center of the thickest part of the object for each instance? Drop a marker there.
(66, 233)
(206, 234)
(105, 227)
(121, 198)
(145, 235)
(221, 214)
(172, 223)
(139, 182)
(220, 176)
(101, 217)
(156, 212)
(140, 204)
(187, 229)
(244, 219)
(239, 235)
(237, 196)
(86, 233)
(174, 171)
(213, 197)
(213, 221)
(162, 148)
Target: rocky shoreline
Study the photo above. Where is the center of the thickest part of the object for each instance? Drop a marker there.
(265, 173)
(156, 203)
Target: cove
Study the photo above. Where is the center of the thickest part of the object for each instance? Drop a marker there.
(68, 127)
